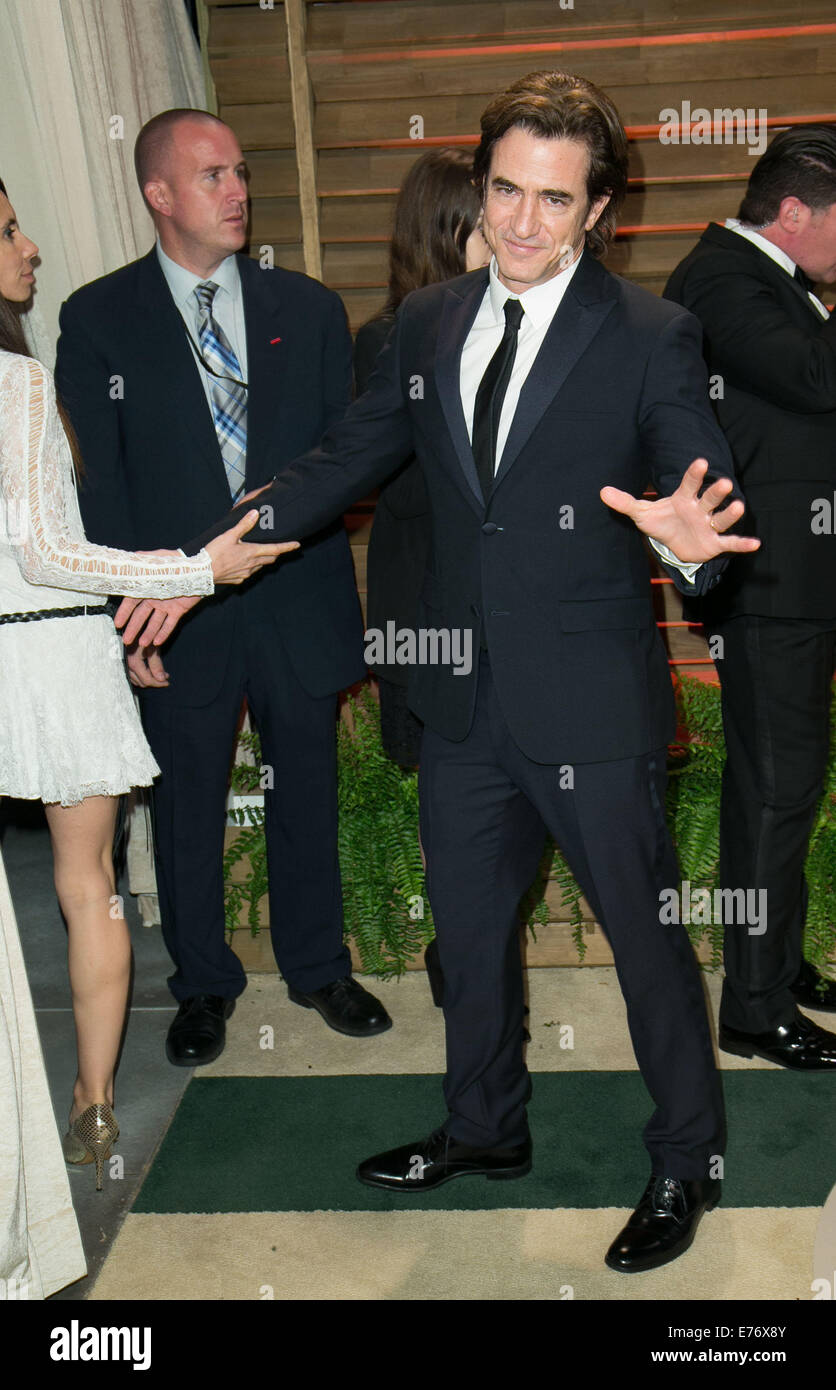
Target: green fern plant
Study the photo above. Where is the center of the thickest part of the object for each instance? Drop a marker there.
(384, 896)
(695, 772)
(249, 843)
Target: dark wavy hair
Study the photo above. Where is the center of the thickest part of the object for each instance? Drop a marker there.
(436, 211)
(799, 163)
(13, 339)
(559, 105)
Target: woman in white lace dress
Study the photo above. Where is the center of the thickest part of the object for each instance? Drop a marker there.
(70, 735)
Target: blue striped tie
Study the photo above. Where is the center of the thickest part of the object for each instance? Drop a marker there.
(229, 395)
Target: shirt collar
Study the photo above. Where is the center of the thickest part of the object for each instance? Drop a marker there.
(769, 248)
(540, 302)
(182, 282)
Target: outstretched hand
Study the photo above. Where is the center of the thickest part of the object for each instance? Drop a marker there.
(690, 525)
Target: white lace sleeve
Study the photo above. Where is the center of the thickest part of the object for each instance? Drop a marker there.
(36, 481)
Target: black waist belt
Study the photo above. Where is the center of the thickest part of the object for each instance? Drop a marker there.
(107, 610)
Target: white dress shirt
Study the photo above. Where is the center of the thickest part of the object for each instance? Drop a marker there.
(775, 254)
(540, 304)
(227, 308)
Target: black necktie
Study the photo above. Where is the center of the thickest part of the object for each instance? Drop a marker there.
(490, 396)
(803, 279)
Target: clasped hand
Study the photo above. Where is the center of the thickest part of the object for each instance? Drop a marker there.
(151, 621)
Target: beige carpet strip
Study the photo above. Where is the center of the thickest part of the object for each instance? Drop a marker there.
(756, 1253)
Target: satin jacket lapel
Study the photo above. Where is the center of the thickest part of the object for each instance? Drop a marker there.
(262, 314)
(582, 311)
(175, 364)
(457, 317)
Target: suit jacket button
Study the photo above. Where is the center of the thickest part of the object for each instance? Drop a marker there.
(489, 528)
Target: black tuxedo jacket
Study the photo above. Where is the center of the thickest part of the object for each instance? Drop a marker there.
(618, 395)
(154, 470)
(777, 360)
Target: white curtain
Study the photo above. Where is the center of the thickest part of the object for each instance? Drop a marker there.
(78, 78)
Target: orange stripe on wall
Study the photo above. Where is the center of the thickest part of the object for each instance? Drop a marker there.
(785, 31)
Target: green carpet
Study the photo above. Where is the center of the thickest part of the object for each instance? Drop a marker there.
(292, 1143)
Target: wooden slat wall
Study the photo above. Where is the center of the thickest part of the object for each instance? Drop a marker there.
(375, 64)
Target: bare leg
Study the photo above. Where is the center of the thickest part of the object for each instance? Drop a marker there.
(99, 949)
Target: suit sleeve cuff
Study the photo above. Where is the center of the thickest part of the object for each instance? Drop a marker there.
(686, 568)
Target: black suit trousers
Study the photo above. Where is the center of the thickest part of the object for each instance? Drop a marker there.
(776, 676)
(485, 808)
(193, 747)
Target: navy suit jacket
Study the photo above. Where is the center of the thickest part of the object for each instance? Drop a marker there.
(618, 394)
(155, 474)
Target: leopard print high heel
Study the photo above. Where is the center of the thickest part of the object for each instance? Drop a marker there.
(91, 1137)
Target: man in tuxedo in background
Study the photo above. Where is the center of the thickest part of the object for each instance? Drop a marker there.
(773, 344)
(527, 390)
(187, 374)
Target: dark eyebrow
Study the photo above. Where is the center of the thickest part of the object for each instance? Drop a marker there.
(544, 192)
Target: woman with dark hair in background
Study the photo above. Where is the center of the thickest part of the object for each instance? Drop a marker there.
(70, 737)
(436, 236)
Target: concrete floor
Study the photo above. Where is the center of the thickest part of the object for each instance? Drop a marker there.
(148, 1088)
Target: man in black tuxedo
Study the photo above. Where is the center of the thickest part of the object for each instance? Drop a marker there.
(526, 391)
(186, 375)
(772, 345)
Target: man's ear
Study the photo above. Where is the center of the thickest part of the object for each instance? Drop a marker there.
(157, 196)
(793, 216)
(595, 211)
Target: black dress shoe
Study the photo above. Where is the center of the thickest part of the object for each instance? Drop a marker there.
(664, 1223)
(800, 1045)
(198, 1031)
(429, 1162)
(806, 989)
(346, 1006)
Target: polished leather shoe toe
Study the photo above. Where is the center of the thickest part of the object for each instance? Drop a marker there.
(198, 1032)
(814, 990)
(438, 1158)
(346, 1006)
(800, 1045)
(664, 1223)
